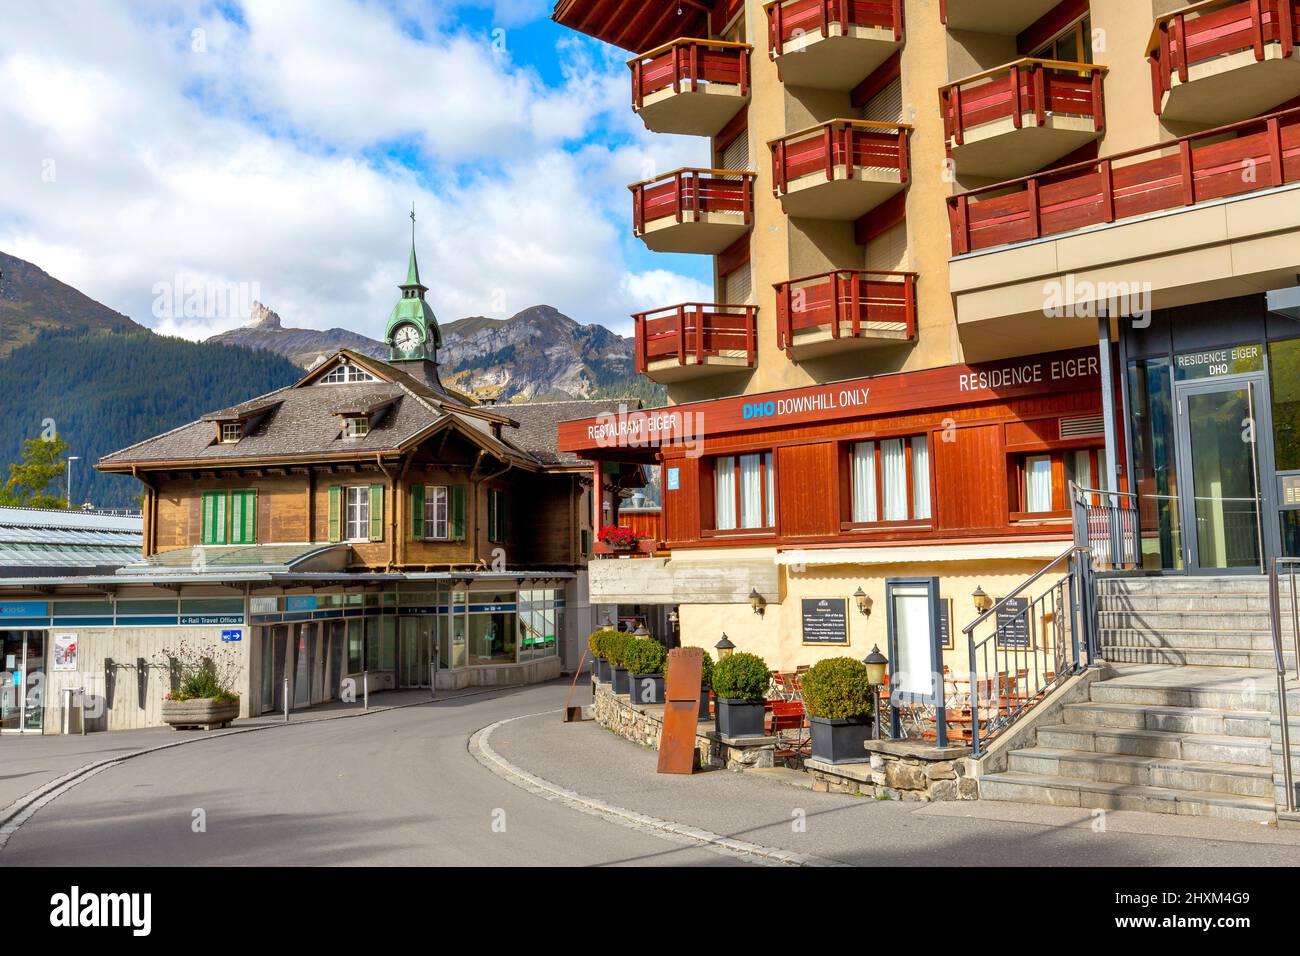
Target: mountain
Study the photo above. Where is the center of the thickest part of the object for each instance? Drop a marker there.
(537, 354)
(33, 302)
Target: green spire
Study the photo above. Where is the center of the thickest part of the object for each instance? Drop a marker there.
(412, 267)
(412, 310)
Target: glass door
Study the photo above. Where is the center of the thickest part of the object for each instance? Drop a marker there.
(22, 680)
(1223, 430)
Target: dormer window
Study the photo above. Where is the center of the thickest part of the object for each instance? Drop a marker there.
(231, 432)
(356, 427)
(345, 373)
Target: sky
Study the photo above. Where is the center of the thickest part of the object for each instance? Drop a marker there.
(176, 160)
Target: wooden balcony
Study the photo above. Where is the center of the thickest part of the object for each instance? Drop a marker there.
(1016, 119)
(1183, 172)
(832, 44)
(1005, 17)
(1224, 60)
(850, 308)
(695, 339)
(693, 210)
(841, 169)
(692, 87)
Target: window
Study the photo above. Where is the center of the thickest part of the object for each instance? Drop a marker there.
(744, 492)
(231, 432)
(358, 513)
(356, 427)
(890, 480)
(435, 512)
(356, 645)
(229, 517)
(1071, 45)
(345, 372)
(1037, 489)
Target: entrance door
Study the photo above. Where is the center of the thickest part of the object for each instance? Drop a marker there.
(22, 704)
(305, 664)
(1224, 432)
(416, 651)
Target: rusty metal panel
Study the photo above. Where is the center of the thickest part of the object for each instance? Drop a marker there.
(681, 711)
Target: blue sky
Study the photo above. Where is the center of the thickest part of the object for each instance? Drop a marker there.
(271, 149)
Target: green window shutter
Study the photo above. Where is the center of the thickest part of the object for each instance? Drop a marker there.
(376, 512)
(492, 515)
(417, 512)
(336, 513)
(220, 517)
(457, 494)
(503, 517)
(209, 518)
(243, 517)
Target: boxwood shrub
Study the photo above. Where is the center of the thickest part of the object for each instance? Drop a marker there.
(837, 688)
(741, 677)
(644, 656)
(615, 646)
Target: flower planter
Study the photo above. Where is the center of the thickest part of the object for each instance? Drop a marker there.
(603, 671)
(619, 679)
(739, 718)
(704, 704)
(840, 740)
(203, 713)
(646, 688)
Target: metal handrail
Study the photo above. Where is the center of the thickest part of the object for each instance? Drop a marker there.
(1275, 626)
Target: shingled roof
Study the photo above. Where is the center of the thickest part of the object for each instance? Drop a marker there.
(538, 430)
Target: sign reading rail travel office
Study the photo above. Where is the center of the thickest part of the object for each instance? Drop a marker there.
(947, 387)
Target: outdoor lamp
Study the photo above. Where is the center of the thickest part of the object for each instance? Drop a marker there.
(864, 602)
(640, 631)
(757, 602)
(982, 601)
(608, 622)
(724, 647)
(672, 617)
(877, 666)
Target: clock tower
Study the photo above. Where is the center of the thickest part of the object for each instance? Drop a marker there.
(413, 335)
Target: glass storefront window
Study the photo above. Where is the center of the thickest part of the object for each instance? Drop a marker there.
(1284, 364)
(1155, 475)
(356, 645)
(491, 638)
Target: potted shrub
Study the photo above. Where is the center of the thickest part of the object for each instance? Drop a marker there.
(837, 695)
(740, 683)
(617, 538)
(615, 647)
(645, 659)
(201, 695)
(599, 660)
(706, 681)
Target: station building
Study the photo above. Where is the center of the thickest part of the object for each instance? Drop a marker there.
(967, 256)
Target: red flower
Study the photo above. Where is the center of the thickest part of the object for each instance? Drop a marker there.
(617, 537)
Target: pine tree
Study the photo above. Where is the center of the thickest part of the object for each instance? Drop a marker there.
(29, 480)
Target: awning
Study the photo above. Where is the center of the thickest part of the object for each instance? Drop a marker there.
(927, 554)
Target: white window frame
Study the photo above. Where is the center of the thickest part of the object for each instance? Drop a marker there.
(346, 373)
(356, 512)
(1027, 490)
(356, 426)
(761, 490)
(437, 513)
(867, 474)
(231, 432)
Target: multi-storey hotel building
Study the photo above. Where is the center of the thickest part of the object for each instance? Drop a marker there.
(967, 255)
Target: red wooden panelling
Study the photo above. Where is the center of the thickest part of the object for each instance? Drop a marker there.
(808, 489)
(846, 145)
(792, 18)
(686, 65)
(970, 479)
(691, 193)
(694, 329)
(1026, 86)
(849, 296)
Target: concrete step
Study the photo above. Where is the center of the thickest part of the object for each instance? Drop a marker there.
(1255, 603)
(1218, 688)
(1190, 720)
(1214, 748)
(1244, 623)
(1129, 651)
(1184, 585)
(1022, 787)
(1242, 780)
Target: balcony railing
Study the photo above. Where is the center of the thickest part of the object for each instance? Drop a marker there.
(694, 197)
(1215, 28)
(1026, 87)
(695, 333)
(832, 44)
(687, 65)
(1231, 160)
(848, 302)
(842, 150)
(791, 19)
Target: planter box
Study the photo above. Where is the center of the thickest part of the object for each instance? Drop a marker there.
(739, 718)
(620, 679)
(840, 740)
(603, 673)
(203, 713)
(704, 704)
(646, 688)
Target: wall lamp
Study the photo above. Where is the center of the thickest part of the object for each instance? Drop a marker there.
(863, 601)
(757, 602)
(982, 601)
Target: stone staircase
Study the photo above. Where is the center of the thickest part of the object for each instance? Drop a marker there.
(1185, 720)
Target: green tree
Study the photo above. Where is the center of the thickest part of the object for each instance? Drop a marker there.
(30, 479)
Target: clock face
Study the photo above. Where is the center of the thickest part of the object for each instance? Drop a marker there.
(407, 338)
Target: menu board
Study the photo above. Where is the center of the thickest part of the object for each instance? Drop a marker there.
(825, 621)
(1013, 623)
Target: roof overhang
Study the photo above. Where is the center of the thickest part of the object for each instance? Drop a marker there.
(635, 25)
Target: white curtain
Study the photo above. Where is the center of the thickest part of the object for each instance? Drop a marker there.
(724, 498)
(864, 481)
(1038, 484)
(893, 478)
(751, 491)
(771, 491)
(920, 477)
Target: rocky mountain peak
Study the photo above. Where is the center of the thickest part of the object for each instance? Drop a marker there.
(263, 318)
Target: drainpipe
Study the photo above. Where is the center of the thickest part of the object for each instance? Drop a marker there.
(392, 536)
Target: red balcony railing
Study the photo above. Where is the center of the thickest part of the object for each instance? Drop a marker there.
(1226, 161)
(787, 19)
(686, 194)
(868, 301)
(686, 65)
(699, 329)
(842, 143)
(1214, 28)
(1025, 86)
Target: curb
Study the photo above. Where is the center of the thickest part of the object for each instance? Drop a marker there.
(481, 750)
(25, 807)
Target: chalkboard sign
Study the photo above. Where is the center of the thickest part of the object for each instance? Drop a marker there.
(825, 621)
(945, 623)
(1013, 623)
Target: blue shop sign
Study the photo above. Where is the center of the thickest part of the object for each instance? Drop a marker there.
(232, 636)
(300, 603)
(10, 609)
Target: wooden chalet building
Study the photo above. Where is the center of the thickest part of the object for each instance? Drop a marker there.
(366, 522)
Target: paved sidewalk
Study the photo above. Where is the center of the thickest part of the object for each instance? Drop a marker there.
(766, 808)
(29, 761)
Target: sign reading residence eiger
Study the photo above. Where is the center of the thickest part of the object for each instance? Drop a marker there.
(825, 621)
